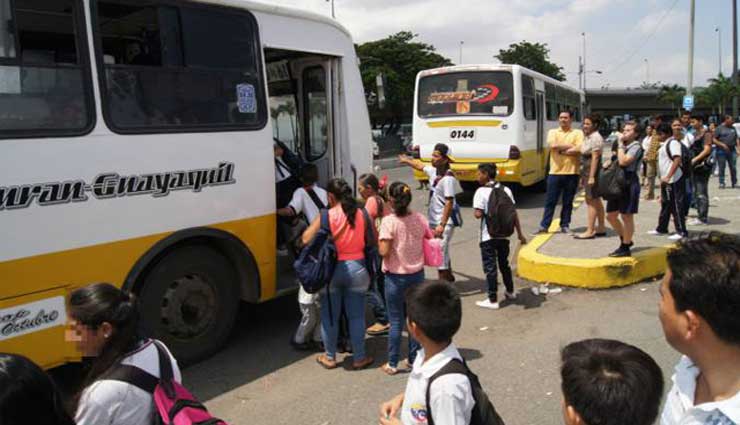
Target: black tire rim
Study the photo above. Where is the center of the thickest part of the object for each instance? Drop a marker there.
(189, 306)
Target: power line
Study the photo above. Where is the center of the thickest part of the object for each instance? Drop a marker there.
(646, 40)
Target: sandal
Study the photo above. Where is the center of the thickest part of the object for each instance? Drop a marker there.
(389, 370)
(363, 364)
(326, 362)
(584, 237)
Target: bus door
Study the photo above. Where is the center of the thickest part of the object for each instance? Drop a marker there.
(541, 127)
(317, 96)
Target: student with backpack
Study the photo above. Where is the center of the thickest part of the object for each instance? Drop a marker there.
(308, 200)
(348, 227)
(672, 187)
(28, 395)
(368, 186)
(608, 382)
(128, 372)
(493, 205)
(444, 213)
(698, 311)
(441, 390)
(401, 245)
(702, 164)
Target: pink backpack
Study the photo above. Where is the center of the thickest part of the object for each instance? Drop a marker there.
(175, 405)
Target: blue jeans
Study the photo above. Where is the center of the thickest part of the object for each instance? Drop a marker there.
(347, 288)
(724, 159)
(558, 185)
(396, 286)
(375, 298)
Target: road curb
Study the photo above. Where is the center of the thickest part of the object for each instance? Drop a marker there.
(590, 273)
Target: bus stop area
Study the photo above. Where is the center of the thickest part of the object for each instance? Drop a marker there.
(558, 258)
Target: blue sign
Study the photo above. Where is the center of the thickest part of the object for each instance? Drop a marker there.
(688, 102)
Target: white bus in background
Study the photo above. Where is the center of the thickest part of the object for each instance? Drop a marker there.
(490, 113)
(136, 148)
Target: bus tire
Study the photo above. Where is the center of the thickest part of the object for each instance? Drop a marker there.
(189, 300)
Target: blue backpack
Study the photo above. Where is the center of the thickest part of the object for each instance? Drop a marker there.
(315, 265)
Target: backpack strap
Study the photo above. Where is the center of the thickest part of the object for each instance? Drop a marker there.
(315, 198)
(370, 239)
(166, 376)
(453, 366)
(134, 376)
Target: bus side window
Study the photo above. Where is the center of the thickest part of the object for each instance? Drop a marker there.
(44, 84)
(316, 112)
(179, 68)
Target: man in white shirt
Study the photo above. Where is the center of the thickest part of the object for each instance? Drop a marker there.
(434, 315)
(672, 186)
(700, 295)
(443, 186)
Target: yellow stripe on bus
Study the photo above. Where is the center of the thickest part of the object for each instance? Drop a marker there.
(461, 123)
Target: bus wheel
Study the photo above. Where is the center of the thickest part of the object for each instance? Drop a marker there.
(189, 300)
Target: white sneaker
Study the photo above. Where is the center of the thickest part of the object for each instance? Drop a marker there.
(487, 304)
(675, 237)
(510, 295)
(553, 291)
(654, 232)
(696, 222)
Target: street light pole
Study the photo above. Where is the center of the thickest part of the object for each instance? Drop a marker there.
(580, 73)
(647, 71)
(734, 57)
(461, 46)
(332, 9)
(719, 47)
(584, 60)
(690, 85)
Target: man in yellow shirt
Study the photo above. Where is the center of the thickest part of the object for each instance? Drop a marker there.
(565, 151)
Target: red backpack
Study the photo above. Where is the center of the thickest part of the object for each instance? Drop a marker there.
(175, 405)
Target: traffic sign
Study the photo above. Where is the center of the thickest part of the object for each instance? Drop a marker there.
(688, 102)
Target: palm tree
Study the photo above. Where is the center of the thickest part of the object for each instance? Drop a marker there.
(673, 95)
(723, 90)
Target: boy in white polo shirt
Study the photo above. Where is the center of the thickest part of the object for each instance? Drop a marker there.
(434, 314)
(700, 314)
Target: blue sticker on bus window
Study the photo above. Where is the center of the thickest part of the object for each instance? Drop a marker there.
(246, 98)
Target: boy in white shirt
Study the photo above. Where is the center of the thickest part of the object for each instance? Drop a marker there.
(434, 313)
(700, 315)
(308, 200)
(494, 248)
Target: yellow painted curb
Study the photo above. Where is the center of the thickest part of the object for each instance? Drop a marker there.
(591, 273)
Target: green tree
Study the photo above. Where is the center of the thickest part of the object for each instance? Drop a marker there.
(534, 56)
(672, 95)
(721, 90)
(398, 58)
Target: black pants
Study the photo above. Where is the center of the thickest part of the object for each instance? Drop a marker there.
(492, 251)
(701, 195)
(672, 198)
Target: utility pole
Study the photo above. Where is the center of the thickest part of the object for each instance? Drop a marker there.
(580, 73)
(584, 60)
(461, 46)
(332, 9)
(647, 71)
(734, 57)
(719, 47)
(690, 85)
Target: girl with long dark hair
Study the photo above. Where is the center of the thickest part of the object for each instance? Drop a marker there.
(28, 395)
(351, 278)
(104, 324)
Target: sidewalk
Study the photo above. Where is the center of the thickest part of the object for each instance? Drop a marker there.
(560, 259)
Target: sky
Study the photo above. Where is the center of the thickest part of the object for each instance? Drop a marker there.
(620, 34)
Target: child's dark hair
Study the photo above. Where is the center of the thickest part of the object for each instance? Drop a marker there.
(96, 304)
(664, 128)
(609, 382)
(309, 174)
(436, 309)
(343, 194)
(489, 169)
(706, 280)
(28, 395)
(400, 194)
(370, 180)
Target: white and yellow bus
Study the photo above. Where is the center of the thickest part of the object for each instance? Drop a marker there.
(136, 148)
(490, 113)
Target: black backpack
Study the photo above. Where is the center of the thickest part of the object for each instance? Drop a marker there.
(501, 213)
(483, 411)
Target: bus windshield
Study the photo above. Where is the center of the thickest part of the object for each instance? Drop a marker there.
(466, 93)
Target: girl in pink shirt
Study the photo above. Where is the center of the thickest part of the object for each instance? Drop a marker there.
(401, 241)
(351, 279)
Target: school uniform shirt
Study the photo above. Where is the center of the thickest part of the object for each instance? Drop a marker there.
(109, 402)
(451, 396)
(447, 187)
(679, 406)
(665, 162)
(302, 202)
(480, 202)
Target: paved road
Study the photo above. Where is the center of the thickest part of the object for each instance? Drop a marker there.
(259, 379)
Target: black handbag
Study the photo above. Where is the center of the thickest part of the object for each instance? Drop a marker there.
(612, 181)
